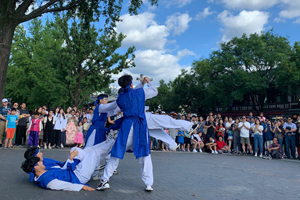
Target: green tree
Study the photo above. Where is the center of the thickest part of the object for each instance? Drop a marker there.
(60, 64)
(15, 12)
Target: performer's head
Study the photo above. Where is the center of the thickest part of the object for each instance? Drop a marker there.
(33, 152)
(125, 80)
(33, 165)
(102, 99)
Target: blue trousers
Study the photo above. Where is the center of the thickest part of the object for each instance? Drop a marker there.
(290, 144)
(258, 141)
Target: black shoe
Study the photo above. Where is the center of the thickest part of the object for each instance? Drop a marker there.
(0, 145)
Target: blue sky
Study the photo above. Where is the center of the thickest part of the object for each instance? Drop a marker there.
(173, 35)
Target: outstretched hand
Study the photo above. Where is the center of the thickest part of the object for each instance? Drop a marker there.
(87, 188)
(146, 80)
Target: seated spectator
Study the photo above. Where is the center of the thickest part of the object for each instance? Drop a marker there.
(274, 150)
(222, 146)
(211, 145)
(197, 141)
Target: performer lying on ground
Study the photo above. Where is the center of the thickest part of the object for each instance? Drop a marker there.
(72, 178)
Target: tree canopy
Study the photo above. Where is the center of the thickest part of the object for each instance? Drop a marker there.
(246, 66)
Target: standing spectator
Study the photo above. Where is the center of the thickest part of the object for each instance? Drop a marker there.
(290, 132)
(15, 105)
(258, 137)
(59, 123)
(22, 123)
(297, 139)
(210, 127)
(78, 140)
(261, 117)
(220, 129)
(63, 128)
(244, 128)
(274, 150)
(211, 145)
(10, 127)
(252, 124)
(45, 108)
(187, 141)
(68, 113)
(236, 136)
(89, 116)
(251, 115)
(278, 133)
(229, 125)
(210, 114)
(201, 125)
(71, 130)
(85, 127)
(4, 109)
(34, 129)
(49, 123)
(188, 117)
(269, 135)
(222, 146)
(180, 140)
(219, 116)
(41, 117)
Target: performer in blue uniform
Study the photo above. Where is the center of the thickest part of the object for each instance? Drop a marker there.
(133, 134)
(96, 133)
(69, 179)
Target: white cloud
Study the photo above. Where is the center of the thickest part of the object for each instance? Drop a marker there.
(279, 20)
(155, 64)
(178, 23)
(292, 10)
(143, 31)
(185, 52)
(250, 4)
(245, 22)
(297, 21)
(153, 59)
(178, 3)
(204, 14)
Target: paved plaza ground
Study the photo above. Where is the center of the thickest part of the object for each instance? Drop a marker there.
(177, 175)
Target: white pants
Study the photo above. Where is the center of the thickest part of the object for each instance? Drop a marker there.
(90, 159)
(91, 141)
(145, 162)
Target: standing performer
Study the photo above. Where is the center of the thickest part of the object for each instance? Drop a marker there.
(134, 133)
(96, 133)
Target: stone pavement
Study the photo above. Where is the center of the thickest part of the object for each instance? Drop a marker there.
(177, 175)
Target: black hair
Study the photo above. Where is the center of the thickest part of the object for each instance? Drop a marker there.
(124, 80)
(22, 102)
(50, 110)
(30, 152)
(13, 109)
(29, 163)
(36, 113)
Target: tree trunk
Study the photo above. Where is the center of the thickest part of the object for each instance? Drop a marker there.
(7, 29)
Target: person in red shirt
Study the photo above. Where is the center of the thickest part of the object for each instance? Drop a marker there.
(220, 129)
(222, 146)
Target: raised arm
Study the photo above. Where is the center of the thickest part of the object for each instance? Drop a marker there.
(110, 108)
(151, 91)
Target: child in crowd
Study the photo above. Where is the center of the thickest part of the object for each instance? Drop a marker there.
(211, 145)
(197, 141)
(34, 130)
(163, 146)
(85, 127)
(222, 147)
(220, 129)
(78, 140)
(10, 128)
(180, 140)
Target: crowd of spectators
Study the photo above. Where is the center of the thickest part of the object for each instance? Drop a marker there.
(43, 127)
(216, 134)
(245, 135)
